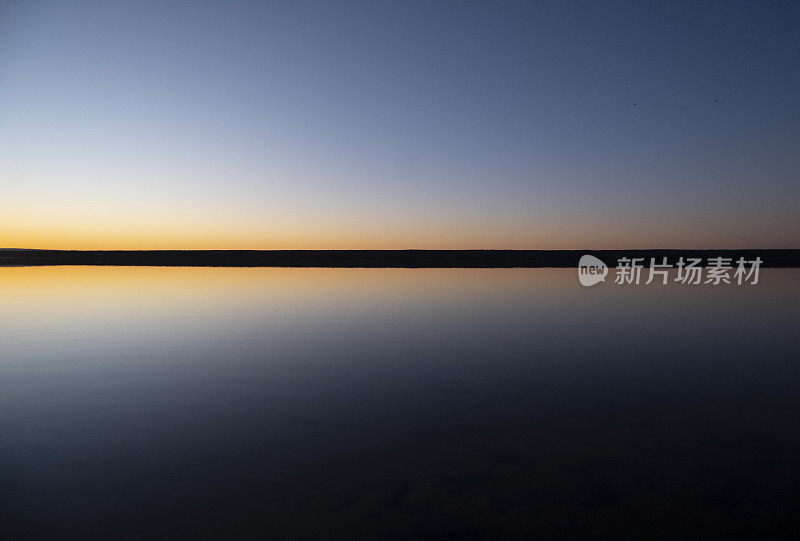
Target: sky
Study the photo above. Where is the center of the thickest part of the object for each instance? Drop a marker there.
(278, 125)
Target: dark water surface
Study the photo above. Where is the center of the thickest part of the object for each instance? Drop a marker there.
(162, 402)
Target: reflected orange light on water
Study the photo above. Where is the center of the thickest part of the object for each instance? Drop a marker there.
(21, 286)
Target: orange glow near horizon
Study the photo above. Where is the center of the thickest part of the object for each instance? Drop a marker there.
(326, 236)
(70, 224)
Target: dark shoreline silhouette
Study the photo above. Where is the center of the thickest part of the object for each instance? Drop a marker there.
(376, 258)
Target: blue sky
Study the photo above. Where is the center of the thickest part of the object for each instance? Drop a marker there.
(399, 124)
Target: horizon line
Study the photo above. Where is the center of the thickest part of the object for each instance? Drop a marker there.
(376, 258)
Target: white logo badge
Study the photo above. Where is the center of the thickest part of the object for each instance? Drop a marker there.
(591, 270)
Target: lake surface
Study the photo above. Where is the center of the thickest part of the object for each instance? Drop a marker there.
(399, 403)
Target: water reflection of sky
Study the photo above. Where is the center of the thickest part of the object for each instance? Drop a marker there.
(136, 398)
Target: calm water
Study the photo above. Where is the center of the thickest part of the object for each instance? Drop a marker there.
(394, 403)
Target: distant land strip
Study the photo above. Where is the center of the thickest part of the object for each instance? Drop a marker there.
(378, 258)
